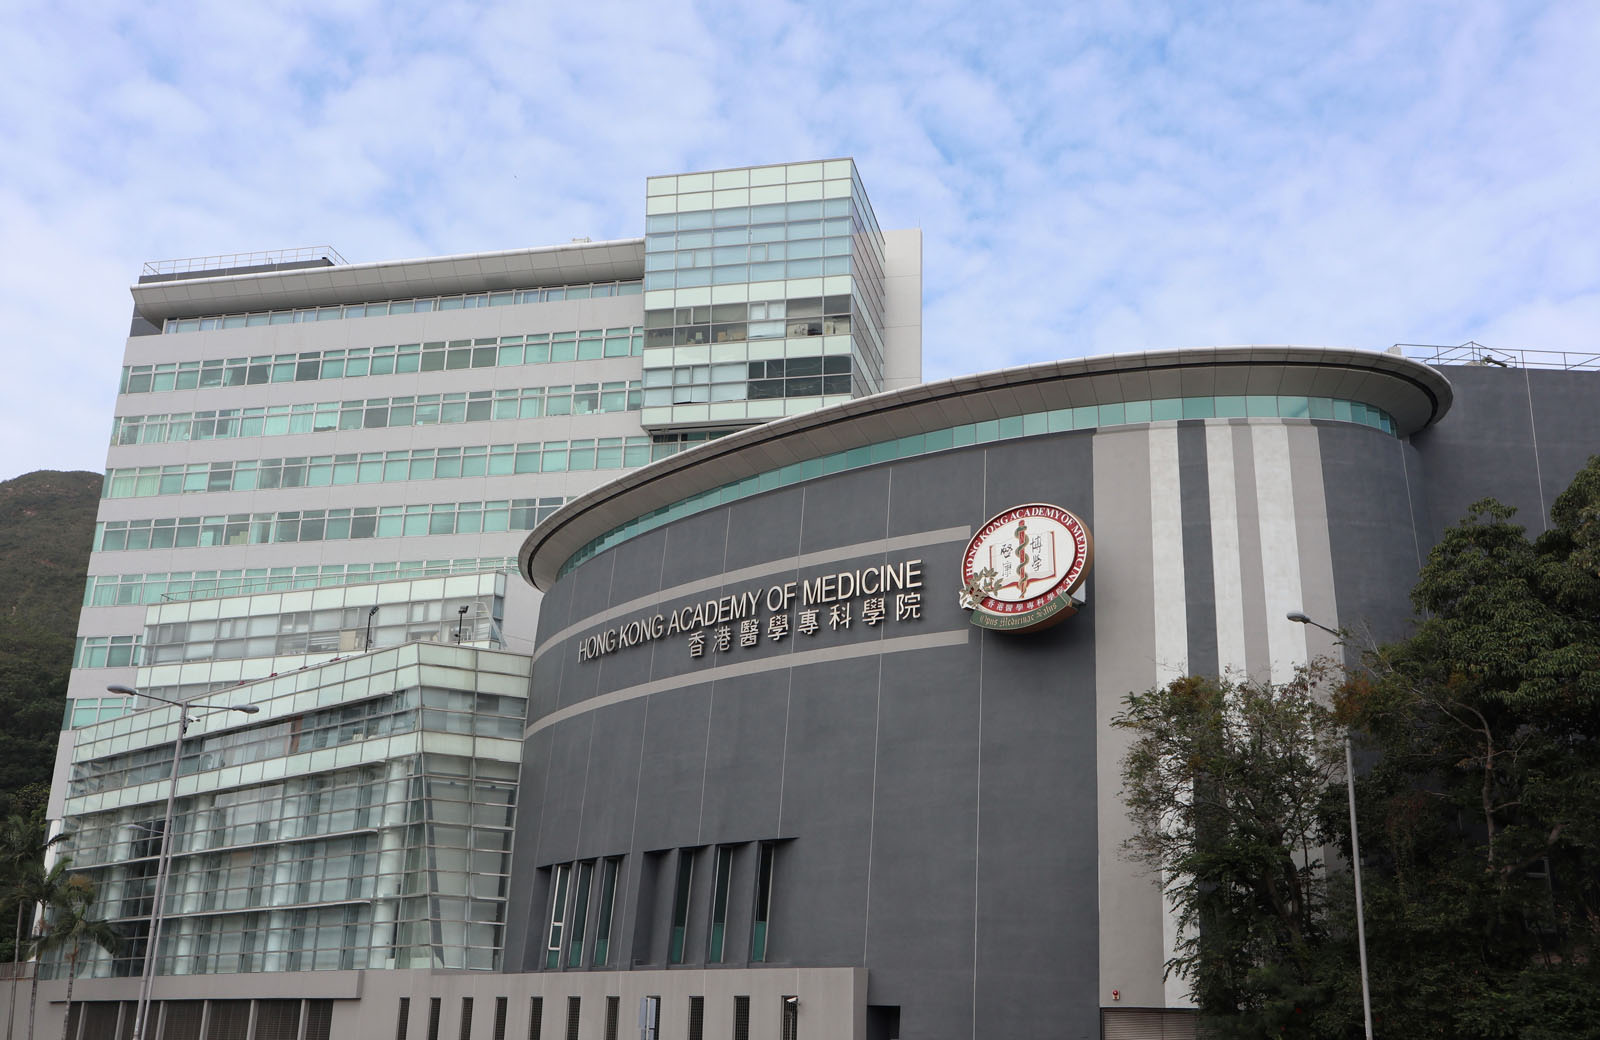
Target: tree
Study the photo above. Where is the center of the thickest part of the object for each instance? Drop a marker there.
(1482, 808)
(25, 884)
(70, 926)
(41, 888)
(1227, 782)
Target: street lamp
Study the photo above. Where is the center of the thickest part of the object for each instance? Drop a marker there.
(164, 858)
(1300, 618)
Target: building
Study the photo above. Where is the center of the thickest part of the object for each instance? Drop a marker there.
(764, 735)
(772, 780)
(313, 462)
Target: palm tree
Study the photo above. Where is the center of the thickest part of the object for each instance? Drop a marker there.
(40, 888)
(23, 880)
(70, 926)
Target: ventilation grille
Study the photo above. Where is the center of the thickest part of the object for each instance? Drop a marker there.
(433, 1017)
(572, 1018)
(466, 1018)
(181, 1019)
(319, 1019)
(612, 1005)
(1130, 1024)
(403, 1022)
(697, 1018)
(100, 1018)
(230, 1020)
(741, 1018)
(278, 1020)
(499, 1018)
(535, 1017)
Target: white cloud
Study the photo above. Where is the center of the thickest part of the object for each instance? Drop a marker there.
(1088, 178)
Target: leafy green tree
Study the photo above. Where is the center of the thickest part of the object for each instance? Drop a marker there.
(1226, 782)
(70, 926)
(1481, 812)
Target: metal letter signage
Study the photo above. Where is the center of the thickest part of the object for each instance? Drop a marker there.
(1021, 569)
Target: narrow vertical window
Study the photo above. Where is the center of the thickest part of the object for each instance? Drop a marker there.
(558, 915)
(602, 924)
(763, 914)
(466, 1018)
(405, 1019)
(580, 914)
(535, 1017)
(680, 906)
(719, 904)
(499, 1018)
(434, 1007)
(613, 1013)
(741, 1018)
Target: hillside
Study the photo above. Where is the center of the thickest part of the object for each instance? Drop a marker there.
(46, 526)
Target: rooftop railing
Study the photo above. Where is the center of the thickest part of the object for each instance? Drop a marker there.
(259, 258)
(1474, 353)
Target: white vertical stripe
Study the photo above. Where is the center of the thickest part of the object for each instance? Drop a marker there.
(1166, 541)
(1225, 575)
(1171, 623)
(1280, 549)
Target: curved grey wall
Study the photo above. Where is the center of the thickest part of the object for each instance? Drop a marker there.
(945, 798)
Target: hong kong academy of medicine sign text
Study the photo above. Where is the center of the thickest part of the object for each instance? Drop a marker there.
(883, 594)
(1021, 569)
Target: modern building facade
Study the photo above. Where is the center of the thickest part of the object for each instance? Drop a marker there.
(315, 464)
(726, 755)
(764, 734)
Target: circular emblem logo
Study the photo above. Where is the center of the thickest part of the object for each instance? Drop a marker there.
(1020, 570)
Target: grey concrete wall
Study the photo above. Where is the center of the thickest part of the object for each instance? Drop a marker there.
(1516, 434)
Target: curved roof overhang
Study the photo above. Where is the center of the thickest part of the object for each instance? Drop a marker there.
(1415, 395)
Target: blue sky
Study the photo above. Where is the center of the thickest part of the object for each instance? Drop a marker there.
(1089, 178)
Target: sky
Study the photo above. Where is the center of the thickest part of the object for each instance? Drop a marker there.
(1089, 178)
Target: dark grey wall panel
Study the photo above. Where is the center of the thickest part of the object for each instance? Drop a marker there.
(820, 908)
(1370, 536)
(744, 757)
(672, 778)
(612, 780)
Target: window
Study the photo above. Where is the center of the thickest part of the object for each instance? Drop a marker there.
(741, 1018)
(558, 913)
(403, 1020)
(719, 904)
(763, 914)
(602, 925)
(613, 1012)
(580, 913)
(573, 1007)
(680, 906)
(535, 1017)
(466, 1018)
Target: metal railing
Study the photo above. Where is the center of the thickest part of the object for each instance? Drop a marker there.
(259, 258)
(1474, 353)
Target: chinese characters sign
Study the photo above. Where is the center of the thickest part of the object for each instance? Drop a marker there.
(1021, 569)
(869, 597)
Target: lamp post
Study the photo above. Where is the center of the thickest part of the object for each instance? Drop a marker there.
(164, 857)
(370, 614)
(1300, 618)
(461, 618)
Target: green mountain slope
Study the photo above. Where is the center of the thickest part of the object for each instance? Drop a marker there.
(46, 526)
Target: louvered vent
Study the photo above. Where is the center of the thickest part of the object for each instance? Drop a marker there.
(572, 1018)
(230, 1020)
(535, 1017)
(612, 1006)
(697, 1018)
(319, 1020)
(403, 1021)
(466, 1018)
(499, 1018)
(433, 1017)
(277, 1020)
(741, 1018)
